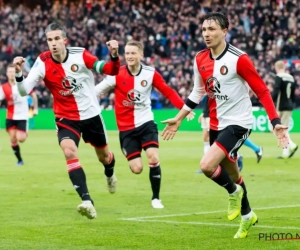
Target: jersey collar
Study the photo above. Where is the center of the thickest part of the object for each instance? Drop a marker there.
(222, 54)
(137, 73)
(67, 56)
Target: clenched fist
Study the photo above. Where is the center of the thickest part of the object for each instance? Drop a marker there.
(18, 62)
(113, 46)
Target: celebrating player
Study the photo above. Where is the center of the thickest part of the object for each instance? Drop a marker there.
(17, 112)
(225, 73)
(284, 97)
(67, 74)
(132, 87)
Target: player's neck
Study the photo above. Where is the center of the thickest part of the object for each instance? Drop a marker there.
(280, 71)
(134, 69)
(61, 57)
(215, 52)
(12, 82)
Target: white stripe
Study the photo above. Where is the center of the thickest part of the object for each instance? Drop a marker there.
(99, 63)
(104, 129)
(239, 142)
(215, 224)
(206, 212)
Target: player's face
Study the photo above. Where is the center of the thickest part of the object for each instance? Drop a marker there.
(212, 33)
(133, 55)
(10, 73)
(56, 41)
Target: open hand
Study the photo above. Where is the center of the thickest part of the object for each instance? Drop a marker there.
(171, 128)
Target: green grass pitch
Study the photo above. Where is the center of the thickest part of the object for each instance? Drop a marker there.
(38, 203)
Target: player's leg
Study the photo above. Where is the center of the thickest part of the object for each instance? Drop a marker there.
(257, 149)
(205, 127)
(94, 132)
(69, 136)
(292, 147)
(11, 128)
(149, 140)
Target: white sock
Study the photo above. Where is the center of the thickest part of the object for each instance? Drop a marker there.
(285, 151)
(247, 216)
(291, 143)
(206, 147)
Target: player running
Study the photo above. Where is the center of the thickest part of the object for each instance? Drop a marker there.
(225, 73)
(67, 74)
(132, 87)
(17, 112)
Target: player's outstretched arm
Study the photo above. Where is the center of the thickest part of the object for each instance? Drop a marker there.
(37, 72)
(247, 71)
(105, 85)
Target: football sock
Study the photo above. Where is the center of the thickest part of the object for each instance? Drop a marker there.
(251, 145)
(77, 177)
(109, 168)
(221, 177)
(155, 179)
(245, 209)
(16, 150)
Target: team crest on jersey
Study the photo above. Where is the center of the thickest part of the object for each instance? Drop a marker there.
(144, 83)
(224, 70)
(74, 67)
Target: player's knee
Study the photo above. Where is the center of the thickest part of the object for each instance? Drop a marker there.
(206, 166)
(153, 158)
(136, 168)
(21, 137)
(70, 152)
(104, 157)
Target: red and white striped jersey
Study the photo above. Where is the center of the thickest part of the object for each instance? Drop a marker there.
(17, 105)
(226, 81)
(132, 95)
(71, 82)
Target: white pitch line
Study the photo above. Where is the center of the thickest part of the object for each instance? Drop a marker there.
(214, 224)
(204, 212)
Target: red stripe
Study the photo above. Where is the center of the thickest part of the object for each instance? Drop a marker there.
(69, 128)
(72, 161)
(124, 107)
(133, 154)
(216, 173)
(225, 151)
(240, 180)
(7, 89)
(11, 128)
(72, 169)
(150, 143)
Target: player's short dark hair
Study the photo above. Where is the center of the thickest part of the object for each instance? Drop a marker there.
(136, 44)
(219, 18)
(10, 66)
(56, 26)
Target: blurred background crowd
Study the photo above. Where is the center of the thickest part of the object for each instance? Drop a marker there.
(170, 30)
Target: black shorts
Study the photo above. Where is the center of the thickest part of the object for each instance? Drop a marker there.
(20, 125)
(134, 140)
(92, 130)
(230, 139)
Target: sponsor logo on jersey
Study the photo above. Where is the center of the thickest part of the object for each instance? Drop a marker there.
(74, 67)
(224, 70)
(135, 98)
(70, 86)
(144, 83)
(214, 89)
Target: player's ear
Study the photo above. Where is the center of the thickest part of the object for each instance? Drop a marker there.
(65, 40)
(225, 32)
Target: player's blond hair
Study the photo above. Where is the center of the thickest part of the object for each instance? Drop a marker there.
(280, 65)
(136, 44)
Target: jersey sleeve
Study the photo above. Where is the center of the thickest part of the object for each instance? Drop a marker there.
(106, 84)
(198, 90)
(2, 96)
(37, 72)
(169, 93)
(247, 71)
(110, 68)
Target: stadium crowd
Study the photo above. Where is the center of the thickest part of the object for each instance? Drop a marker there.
(169, 29)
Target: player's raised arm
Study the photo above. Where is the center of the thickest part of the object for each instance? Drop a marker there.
(109, 68)
(37, 72)
(106, 84)
(247, 71)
